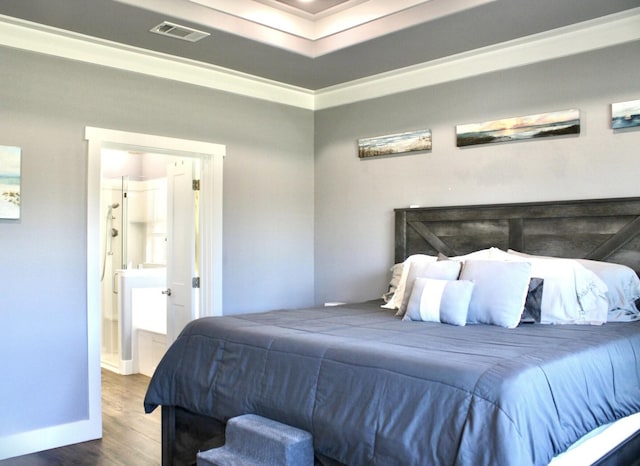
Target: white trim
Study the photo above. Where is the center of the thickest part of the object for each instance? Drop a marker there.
(99, 138)
(49, 437)
(211, 249)
(123, 367)
(307, 26)
(355, 31)
(582, 37)
(380, 15)
(51, 41)
(571, 40)
(312, 35)
(115, 139)
(210, 203)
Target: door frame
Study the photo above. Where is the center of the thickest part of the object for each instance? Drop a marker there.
(210, 247)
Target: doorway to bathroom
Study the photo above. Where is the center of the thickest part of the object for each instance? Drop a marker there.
(135, 195)
(106, 234)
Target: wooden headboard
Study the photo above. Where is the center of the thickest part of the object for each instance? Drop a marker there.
(600, 229)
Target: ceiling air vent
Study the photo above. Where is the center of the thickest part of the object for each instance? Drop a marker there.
(179, 32)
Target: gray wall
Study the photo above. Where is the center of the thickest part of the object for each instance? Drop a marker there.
(45, 104)
(355, 198)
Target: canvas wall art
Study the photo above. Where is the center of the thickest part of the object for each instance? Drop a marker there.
(9, 182)
(392, 144)
(520, 128)
(625, 114)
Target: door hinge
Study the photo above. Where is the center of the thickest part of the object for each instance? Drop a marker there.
(195, 282)
(195, 185)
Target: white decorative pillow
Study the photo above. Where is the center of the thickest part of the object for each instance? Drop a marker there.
(396, 273)
(434, 300)
(572, 293)
(499, 293)
(481, 254)
(443, 270)
(623, 284)
(395, 300)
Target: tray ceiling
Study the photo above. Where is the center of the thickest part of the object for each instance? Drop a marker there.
(314, 46)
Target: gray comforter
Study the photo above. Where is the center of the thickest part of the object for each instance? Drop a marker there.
(373, 389)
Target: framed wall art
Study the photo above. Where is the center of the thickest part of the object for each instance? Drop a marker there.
(395, 144)
(9, 182)
(625, 114)
(519, 128)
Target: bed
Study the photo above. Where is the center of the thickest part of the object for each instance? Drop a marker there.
(377, 388)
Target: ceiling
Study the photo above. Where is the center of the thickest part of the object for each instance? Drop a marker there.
(314, 45)
(309, 6)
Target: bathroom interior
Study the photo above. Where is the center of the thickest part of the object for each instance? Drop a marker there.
(133, 202)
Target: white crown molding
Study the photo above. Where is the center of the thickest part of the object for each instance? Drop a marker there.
(591, 35)
(305, 12)
(311, 28)
(308, 35)
(352, 32)
(52, 41)
(603, 32)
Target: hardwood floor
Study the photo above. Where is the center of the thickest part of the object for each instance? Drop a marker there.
(129, 436)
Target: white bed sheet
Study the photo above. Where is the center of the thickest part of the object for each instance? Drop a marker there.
(597, 443)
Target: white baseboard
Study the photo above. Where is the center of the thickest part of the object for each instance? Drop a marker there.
(124, 367)
(34, 441)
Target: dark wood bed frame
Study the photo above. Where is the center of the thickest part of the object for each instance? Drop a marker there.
(600, 229)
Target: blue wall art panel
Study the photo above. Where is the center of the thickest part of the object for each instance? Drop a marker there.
(625, 114)
(394, 144)
(9, 182)
(566, 122)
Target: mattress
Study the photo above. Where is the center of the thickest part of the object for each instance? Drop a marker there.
(373, 389)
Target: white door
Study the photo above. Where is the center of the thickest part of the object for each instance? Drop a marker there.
(181, 246)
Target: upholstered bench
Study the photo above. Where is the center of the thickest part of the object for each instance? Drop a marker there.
(258, 441)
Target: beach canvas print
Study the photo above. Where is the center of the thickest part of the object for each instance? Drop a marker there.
(9, 182)
(625, 114)
(400, 143)
(520, 128)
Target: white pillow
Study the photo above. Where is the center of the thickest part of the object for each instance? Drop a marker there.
(443, 270)
(481, 254)
(623, 285)
(500, 291)
(572, 294)
(395, 301)
(434, 300)
(396, 273)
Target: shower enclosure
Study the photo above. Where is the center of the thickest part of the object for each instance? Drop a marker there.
(133, 273)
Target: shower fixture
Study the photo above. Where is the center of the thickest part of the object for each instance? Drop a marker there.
(115, 205)
(107, 238)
